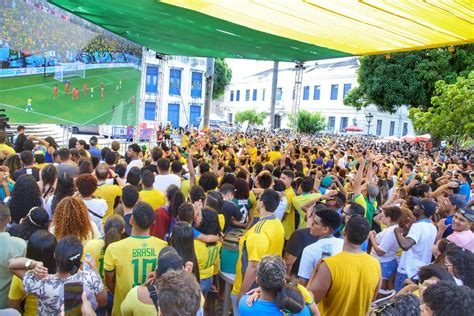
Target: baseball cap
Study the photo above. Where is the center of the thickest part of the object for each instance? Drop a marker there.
(467, 213)
(93, 141)
(372, 191)
(427, 205)
(326, 181)
(168, 259)
(457, 200)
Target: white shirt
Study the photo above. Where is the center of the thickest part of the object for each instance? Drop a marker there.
(134, 163)
(312, 254)
(341, 162)
(162, 182)
(98, 206)
(387, 243)
(280, 211)
(424, 234)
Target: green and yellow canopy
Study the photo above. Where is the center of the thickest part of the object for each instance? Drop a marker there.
(284, 30)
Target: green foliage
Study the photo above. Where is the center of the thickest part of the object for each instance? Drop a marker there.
(222, 77)
(408, 78)
(252, 116)
(307, 122)
(451, 115)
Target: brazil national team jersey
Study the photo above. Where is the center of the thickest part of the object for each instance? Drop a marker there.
(266, 237)
(131, 259)
(207, 256)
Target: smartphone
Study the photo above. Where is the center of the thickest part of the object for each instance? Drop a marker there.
(73, 298)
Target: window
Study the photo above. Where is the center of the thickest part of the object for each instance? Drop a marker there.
(392, 128)
(237, 96)
(344, 121)
(195, 115)
(347, 87)
(334, 88)
(150, 111)
(196, 84)
(317, 93)
(151, 85)
(254, 95)
(263, 95)
(229, 117)
(405, 129)
(379, 127)
(279, 94)
(175, 82)
(231, 95)
(306, 93)
(247, 95)
(332, 123)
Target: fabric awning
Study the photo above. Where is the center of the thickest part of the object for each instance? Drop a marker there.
(283, 30)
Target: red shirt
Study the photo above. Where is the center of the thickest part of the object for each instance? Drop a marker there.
(55, 90)
(161, 226)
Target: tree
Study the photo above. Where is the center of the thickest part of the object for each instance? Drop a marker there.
(451, 115)
(307, 122)
(222, 77)
(408, 78)
(252, 116)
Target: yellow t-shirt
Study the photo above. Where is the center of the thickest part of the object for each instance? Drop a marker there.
(7, 149)
(131, 259)
(41, 165)
(266, 237)
(253, 154)
(185, 187)
(272, 155)
(131, 305)
(17, 293)
(96, 248)
(109, 193)
(207, 256)
(184, 141)
(298, 201)
(253, 201)
(289, 220)
(354, 279)
(308, 298)
(155, 198)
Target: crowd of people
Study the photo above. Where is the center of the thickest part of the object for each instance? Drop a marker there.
(308, 224)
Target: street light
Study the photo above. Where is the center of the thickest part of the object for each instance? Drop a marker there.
(369, 117)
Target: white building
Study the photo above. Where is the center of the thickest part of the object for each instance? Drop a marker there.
(172, 89)
(324, 85)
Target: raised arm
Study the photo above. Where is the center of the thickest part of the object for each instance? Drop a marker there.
(192, 177)
(358, 177)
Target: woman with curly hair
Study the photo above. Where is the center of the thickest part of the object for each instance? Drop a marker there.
(25, 195)
(64, 187)
(71, 218)
(13, 162)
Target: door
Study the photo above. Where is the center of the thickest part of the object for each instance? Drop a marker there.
(195, 115)
(173, 114)
(277, 121)
(150, 111)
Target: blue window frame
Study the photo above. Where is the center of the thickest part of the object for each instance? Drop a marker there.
(306, 93)
(196, 84)
(195, 115)
(173, 114)
(392, 128)
(279, 94)
(151, 85)
(175, 82)
(254, 95)
(317, 93)
(247, 95)
(334, 90)
(237, 96)
(347, 87)
(344, 122)
(231, 95)
(150, 111)
(379, 127)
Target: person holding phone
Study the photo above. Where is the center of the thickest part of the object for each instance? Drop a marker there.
(50, 288)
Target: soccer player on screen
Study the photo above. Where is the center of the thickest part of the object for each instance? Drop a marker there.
(102, 85)
(133, 100)
(77, 94)
(92, 92)
(102, 93)
(73, 94)
(84, 87)
(120, 84)
(55, 92)
(29, 107)
(67, 87)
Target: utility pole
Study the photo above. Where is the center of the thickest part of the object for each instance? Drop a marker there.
(208, 95)
(273, 99)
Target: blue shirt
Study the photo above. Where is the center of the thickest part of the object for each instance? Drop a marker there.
(94, 151)
(449, 230)
(264, 308)
(465, 190)
(197, 233)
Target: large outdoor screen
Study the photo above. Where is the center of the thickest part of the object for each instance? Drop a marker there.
(58, 68)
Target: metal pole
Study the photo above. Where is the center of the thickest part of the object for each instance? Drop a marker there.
(208, 95)
(273, 96)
